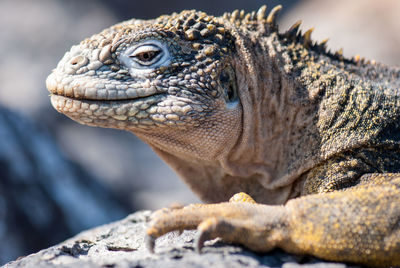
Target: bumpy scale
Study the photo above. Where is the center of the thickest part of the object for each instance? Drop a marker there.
(234, 105)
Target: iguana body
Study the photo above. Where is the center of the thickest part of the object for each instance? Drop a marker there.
(235, 106)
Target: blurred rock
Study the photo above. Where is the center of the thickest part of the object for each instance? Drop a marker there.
(121, 244)
(369, 28)
(44, 197)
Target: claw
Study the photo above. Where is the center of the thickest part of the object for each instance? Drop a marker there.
(205, 230)
(150, 242)
(199, 242)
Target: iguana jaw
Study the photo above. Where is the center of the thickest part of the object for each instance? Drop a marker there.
(105, 113)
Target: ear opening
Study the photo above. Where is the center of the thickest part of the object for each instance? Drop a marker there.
(229, 84)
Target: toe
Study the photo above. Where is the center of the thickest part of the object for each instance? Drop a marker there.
(237, 231)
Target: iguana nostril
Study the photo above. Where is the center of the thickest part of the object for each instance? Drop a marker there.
(78, 61)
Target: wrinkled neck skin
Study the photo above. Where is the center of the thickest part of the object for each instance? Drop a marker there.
(263, 157)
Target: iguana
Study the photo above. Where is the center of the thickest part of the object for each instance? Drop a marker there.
(308, 140)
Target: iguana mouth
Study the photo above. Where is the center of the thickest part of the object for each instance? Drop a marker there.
(119, 113)
(111, 101)
(149, 100)
(95, 90)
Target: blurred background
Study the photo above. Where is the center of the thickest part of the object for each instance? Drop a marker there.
(58, 177)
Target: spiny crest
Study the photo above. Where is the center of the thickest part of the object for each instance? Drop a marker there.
(361, 60)
(261, 17)
(261, 21)
(296, 35)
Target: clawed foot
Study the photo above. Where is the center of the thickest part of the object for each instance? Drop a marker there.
(258, 227)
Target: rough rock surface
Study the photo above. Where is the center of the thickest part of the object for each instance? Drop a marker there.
(121, 244)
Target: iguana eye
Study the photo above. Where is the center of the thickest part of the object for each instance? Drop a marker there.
(145, 57)
(146, 54)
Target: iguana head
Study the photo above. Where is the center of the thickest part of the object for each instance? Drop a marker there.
(164, 79)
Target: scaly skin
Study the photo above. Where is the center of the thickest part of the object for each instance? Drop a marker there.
(235, 106)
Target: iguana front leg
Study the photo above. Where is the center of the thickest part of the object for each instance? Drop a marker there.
(240, 221)
(360, 224)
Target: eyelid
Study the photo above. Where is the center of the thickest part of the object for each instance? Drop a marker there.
(145, 48)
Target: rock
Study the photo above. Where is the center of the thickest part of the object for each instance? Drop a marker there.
(44, 197)
(121, 244)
